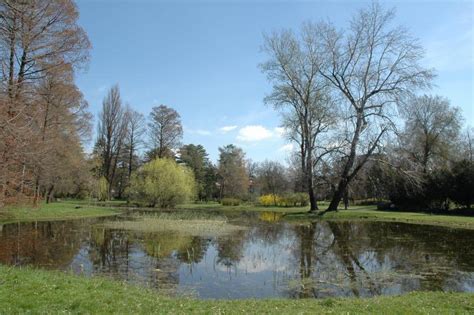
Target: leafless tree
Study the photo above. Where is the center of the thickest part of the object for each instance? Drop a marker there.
(165, 131)
(370, 66)
(431, 128)
(112, 128)
(134, 138)
(302, 95)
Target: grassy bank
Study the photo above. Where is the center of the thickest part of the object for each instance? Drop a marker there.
(54, 211)
(36, 291)
(370, 213)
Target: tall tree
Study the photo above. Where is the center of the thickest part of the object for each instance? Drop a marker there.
(111, 132)
(165, 132)
(134, 138)
(302, 96)
(233, 178)
(431, 127)
(196, 158)
(36, 37)
(370, 66)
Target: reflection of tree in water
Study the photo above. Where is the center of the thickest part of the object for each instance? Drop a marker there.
(230, 248)
(43, 244)
(376, 258)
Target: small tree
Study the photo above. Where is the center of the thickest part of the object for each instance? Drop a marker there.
(162, 183)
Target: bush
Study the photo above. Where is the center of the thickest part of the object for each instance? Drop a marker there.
(230, 202)
(462, 183)
(287, 200)
(162, 183)
(269, 200)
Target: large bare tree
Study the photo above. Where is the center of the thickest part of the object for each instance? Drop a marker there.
(302, 96)
(370, 66)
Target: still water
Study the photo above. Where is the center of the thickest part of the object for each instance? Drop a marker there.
(269, 258)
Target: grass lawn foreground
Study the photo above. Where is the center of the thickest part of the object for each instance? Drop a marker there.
(36, 291)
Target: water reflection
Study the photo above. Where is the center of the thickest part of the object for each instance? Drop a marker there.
(268, 259)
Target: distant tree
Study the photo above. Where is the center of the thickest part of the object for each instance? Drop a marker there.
(431, 129)
(233, 178)
(111, 134)
(162, 183)
(272, 178)
(165, 132)
(195, 157)
(370, 67)
(134, 138)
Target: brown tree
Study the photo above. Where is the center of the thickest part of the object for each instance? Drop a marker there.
(165, 132)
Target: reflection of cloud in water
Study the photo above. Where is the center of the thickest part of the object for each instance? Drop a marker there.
(258, 258)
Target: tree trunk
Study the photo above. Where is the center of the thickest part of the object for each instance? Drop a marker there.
(338, 194)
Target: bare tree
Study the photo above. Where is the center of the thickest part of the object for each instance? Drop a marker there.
(112, 128)
(272, 178)
(431, 128)
(370, 66)
(165, 131)
(301, 94)
(134, 136)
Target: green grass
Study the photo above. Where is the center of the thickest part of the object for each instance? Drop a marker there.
(243, 207)
(26, 290)
(370, 213)
(54, 211)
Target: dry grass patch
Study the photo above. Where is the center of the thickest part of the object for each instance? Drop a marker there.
(184, 226)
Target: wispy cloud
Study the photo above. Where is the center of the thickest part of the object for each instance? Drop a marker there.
(199, 132)
(287, 148)
(226, 129)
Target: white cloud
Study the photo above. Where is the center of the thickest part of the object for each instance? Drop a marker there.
(199, 132)
(253, 133)
(286, 148)
(279, 131)
(226, 129)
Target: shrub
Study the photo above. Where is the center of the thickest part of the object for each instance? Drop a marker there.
(163, 183)
(230, 202)
(269, 200)
(462, 183)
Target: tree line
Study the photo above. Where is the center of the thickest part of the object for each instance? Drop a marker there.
(350, 99)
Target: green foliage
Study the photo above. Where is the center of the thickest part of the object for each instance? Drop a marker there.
(102, 189)
(230, 202)
(162, 183)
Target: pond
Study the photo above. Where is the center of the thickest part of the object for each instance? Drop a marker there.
(259, 257)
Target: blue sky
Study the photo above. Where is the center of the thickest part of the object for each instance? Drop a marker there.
(201, 58)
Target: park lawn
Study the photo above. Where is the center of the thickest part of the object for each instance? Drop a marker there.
(370, 213)
(242, 207)
(54, 211)
(27, 290)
